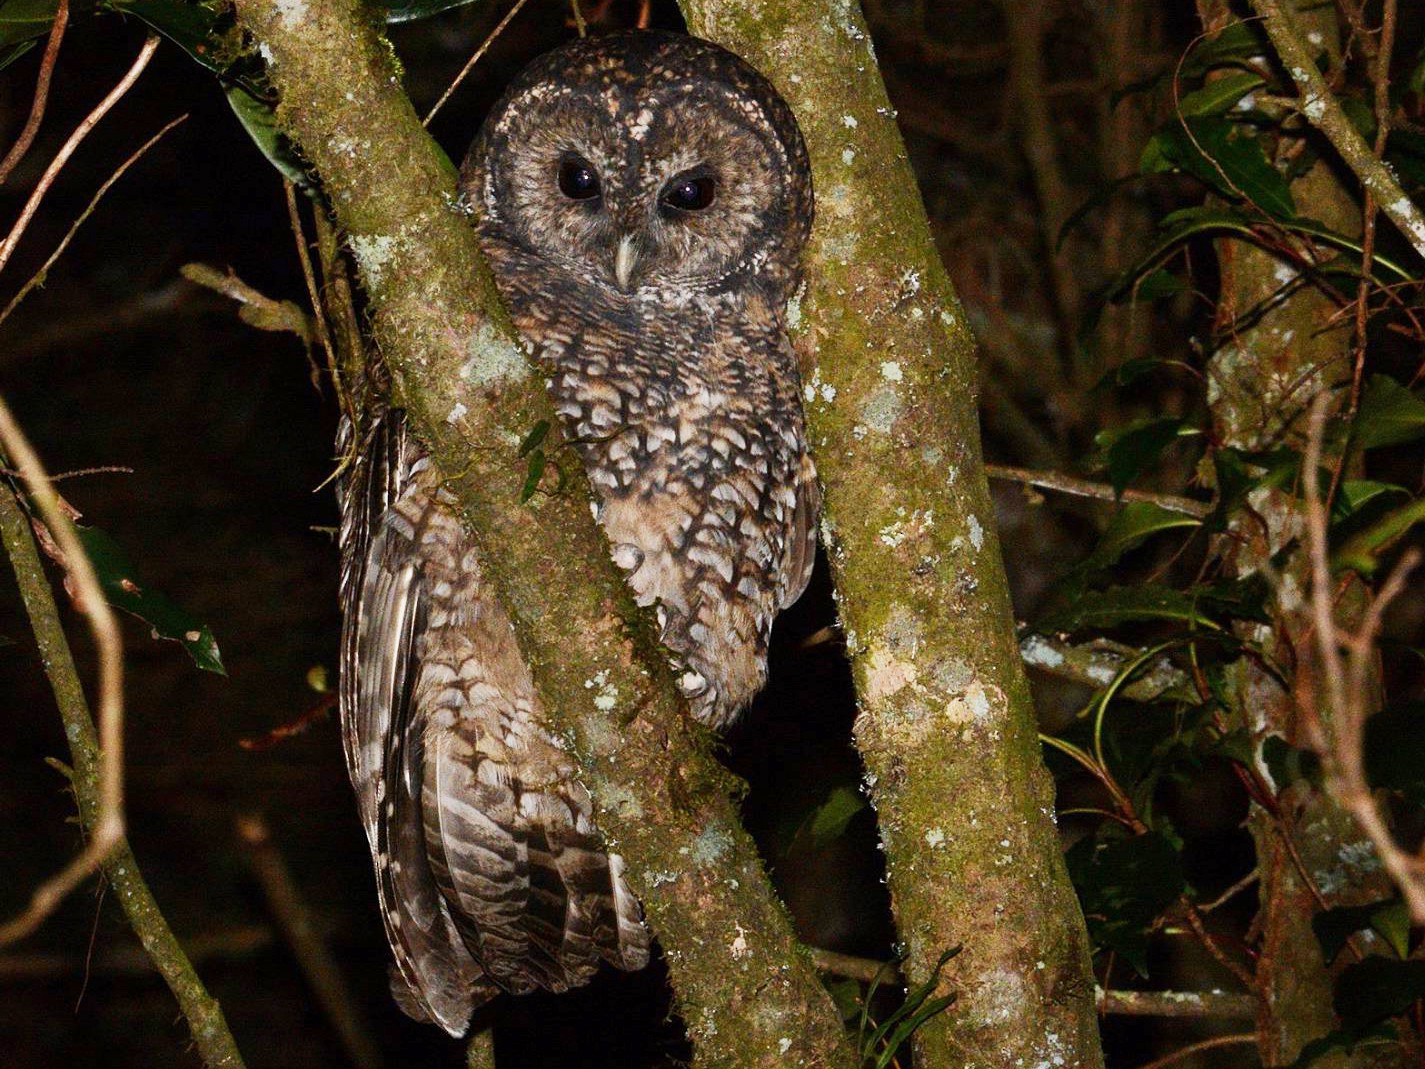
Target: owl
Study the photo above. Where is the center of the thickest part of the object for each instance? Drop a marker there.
(643, 200)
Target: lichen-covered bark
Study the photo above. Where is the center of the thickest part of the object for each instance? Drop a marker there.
(1260, 386)
(749, 997)
(946, 729)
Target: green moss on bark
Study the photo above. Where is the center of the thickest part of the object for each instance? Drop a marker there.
(946, 729)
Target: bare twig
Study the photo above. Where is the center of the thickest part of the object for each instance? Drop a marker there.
(309, 275)
(1323, 111)
(1339, 736)
(41, 98)
(1197, 1048)
(1068, 484)
(39, 276)
(67, 150)
(298, 927)
(107, 829)
(475, 58)
(205, 1017)
(867, 970)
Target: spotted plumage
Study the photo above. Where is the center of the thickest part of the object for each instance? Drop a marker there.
(643, 200)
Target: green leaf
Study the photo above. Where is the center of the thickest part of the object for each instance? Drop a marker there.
(1360, 552)
(1376, 989)
(122, 589)
(880, 1048)
(535, 437)
(1133, 449)
(260, 122)
(1134, 524)
(1234, 43)
(1355, 494)
(1220, 95)
(533, 474)
(8, 54)
(1152, 287)
(1389, 414)
(1395, 750)
(1125, 885)
(831, 818)
(422, 9)
(1224, 155)
(193, 27)
(1145, 602)
(25, 20)
(1389, 918)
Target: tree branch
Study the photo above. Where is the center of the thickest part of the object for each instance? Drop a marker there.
(947, 730)
(204, 1015)
(749, 997)
(1323, 111)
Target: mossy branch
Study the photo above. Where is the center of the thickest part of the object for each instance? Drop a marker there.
(749, 997)
(1323, 111)
(205, 1017)
(947, 730)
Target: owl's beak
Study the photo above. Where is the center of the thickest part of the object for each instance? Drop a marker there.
(625, 260)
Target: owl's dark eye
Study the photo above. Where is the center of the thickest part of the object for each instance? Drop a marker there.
(577, 179)
(690, 193)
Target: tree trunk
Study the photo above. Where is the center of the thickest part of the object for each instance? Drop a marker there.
(946, 730)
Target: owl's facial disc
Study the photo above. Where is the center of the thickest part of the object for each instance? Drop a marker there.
(646, 163)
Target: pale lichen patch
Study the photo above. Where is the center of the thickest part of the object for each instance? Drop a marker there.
(1037, 651)
(491, 358)
(710, 847)
(292, 13)
(881, 409)
(887, 675)
(374, 254)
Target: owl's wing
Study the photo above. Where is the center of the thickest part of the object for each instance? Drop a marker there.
(801, 533)
(384, 612)
(490, 872)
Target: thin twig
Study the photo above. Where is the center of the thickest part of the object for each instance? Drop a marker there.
(1068, 484)
(475, 58)
(867, 970)
(309, 275)
(68, 148)
(1197, 1048)
(295, 920)
(205, 1017)
(41, 98)
(1323, 111)
(39, 276)
(1339, 735)
(579, 23)
(107, 829)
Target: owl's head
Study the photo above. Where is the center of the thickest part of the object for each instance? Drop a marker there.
(645, 160)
